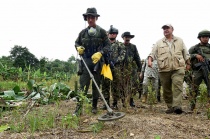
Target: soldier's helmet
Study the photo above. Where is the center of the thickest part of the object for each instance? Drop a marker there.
(112, 30)
(204, 33)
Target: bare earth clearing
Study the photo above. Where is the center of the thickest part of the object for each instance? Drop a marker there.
(142, 122)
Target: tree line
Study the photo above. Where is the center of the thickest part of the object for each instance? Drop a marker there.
(22, 60)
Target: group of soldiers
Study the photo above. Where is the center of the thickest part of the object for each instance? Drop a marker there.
(165, 65)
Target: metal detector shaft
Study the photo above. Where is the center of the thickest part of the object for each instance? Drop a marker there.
(92, 77)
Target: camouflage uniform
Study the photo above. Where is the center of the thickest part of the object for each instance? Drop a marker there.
(150, 75)
(92, 44)
(198, 75)
(117, 56)
(132, 66)
(117, 59)
(106, 83)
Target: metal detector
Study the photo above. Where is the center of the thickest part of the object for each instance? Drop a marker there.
(110, 115)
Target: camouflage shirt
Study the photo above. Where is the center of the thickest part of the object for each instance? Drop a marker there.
(150, 72)
(117, 52)
(198, 49)
(133, 54)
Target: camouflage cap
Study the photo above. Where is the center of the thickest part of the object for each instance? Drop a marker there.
(204, 33)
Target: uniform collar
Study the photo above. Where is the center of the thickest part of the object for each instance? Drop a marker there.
(208, 45)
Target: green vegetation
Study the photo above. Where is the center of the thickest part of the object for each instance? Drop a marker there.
(21, 65)
(97, 127)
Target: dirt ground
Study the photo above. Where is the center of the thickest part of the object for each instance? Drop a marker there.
(142, 122)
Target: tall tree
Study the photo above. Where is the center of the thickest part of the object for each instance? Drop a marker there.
(23, 58)
(42, 64)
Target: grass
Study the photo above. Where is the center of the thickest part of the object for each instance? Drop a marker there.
(38, 119)
(48, 117)
(9, 85)
(45, 118)
(70, 121)
(97, 127)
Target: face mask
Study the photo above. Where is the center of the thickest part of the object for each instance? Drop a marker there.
(92, 31)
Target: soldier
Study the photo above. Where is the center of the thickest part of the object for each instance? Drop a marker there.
(172, 57)
(150, 75)
(116, 61)
(197, 54)
(112, 35)
(132, 55)
(92, 44)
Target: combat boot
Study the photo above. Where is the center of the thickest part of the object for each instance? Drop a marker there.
(114, 105)
(144, 98)
(132, 102)
(94, 106)
(158, 99)
(178, 110)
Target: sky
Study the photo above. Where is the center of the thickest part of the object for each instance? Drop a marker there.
(49, 28)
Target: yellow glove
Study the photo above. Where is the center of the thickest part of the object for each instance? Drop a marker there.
(96, 57)
(80, 50)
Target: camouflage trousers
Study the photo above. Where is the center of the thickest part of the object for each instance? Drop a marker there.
(85, 78)
(198, 77)
(154, 82)
(116, 84)
(172, 79)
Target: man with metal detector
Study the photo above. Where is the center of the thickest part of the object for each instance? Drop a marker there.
(200, 56)
(92, 44)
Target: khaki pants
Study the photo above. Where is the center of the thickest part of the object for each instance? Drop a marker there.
(169, 80)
